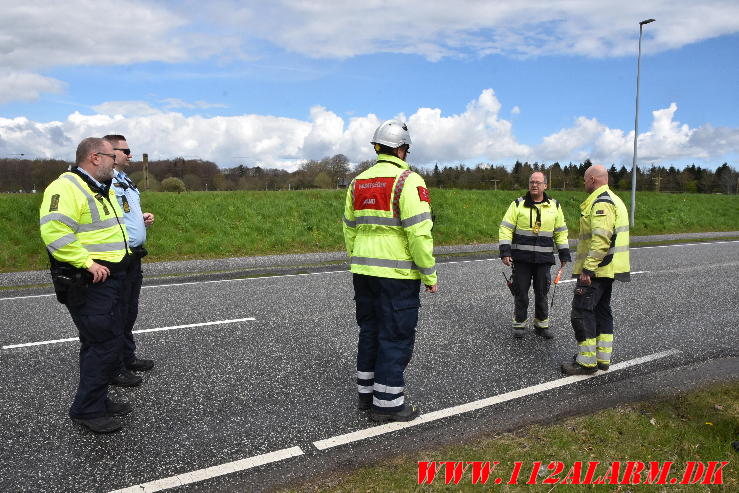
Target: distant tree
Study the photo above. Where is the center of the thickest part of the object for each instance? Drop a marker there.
(192, 182)
(323, 180)
(173, 184)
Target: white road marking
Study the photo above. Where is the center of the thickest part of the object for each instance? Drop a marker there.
(482, 403)
(345, 271)
(158, 329)
(212, 472)
(635, 272)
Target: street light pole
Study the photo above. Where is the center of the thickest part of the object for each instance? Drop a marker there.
(636, 125)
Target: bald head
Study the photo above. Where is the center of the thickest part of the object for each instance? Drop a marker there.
(595, 177)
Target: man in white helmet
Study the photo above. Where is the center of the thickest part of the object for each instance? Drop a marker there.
(387, 231)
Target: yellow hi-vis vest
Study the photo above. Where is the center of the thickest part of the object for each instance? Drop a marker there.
(603, 245)
(387, 223)
(531, 232)
(78, 224)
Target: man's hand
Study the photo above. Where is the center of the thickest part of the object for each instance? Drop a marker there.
(99, 272)
(148, 219)
(507, 261)
(584, 279)
(432, 289)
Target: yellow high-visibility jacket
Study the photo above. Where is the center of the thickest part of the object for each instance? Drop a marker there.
(387, 223)
(603, 245)
(519, 237)
(79, 223)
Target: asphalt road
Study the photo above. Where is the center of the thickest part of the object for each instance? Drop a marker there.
(228, 393)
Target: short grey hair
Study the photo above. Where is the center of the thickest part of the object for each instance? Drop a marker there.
(87, 147)
(542, 174)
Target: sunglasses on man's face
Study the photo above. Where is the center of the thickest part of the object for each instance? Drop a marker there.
(126, 151)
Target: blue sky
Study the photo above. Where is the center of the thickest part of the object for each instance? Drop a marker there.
(275, 83)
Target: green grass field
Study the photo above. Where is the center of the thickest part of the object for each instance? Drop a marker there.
(696, 426)
(230, 224)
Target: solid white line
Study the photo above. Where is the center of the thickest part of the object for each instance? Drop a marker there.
(475, 405)
(212, 472)
(344, 271)
(158, 329)
(632, 273)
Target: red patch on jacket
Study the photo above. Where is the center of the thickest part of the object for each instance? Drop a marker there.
(424, 195)
(373, 193)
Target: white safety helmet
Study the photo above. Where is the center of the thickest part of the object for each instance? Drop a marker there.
(392, 133)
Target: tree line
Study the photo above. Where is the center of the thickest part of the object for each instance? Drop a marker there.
(180, 174)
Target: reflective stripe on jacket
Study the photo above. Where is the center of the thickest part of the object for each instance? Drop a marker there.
(603, 245)
(78, 224)
(387, 223)
(518, 236)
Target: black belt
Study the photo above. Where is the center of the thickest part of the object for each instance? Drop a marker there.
(139, 251)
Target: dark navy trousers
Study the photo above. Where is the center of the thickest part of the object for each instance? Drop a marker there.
(100, 324)
(387, 314)
(130, 309)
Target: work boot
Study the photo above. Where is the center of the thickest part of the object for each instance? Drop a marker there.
(519, 332)
(544, 332)
(118, 408)
(572, 368)
(408, 413)
(103, 424)
(126, 379)
(140, 365)
(603, 366)
(364, 402)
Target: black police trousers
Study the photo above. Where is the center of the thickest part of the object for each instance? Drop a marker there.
(130, 309)
(591, 313)
(100, 324)
(387, 314)
(523, 274)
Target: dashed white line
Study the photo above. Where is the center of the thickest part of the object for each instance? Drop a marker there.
(158, 329)
(355, 436)
(212, 472)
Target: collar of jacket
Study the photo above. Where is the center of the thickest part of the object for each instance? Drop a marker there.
(529, 202)
(395, 161)
(591, 198)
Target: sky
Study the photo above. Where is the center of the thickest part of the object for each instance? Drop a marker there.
(277, 82)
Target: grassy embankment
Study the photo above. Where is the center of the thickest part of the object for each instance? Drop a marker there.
(231, 224)
(697, 426)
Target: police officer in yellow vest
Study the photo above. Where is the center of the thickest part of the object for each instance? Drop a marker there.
(532, 229)
(82, 227)
(387, 231)
(602, 256)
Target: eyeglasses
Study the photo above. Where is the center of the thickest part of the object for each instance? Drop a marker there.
(106, 154)
(126, 151)
(536, 183)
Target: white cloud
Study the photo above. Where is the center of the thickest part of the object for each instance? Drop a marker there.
(26, 86)
(477, 133)
(172, 103)
(41, 35)
(126, 108)
(440, 29)
(515, 110)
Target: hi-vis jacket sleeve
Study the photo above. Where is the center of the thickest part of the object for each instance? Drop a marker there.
(415, 218)
(561, 236)
(59, 214)
(506, 229)
(602, 225)
(349, 225)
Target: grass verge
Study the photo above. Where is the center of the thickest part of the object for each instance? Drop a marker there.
(197, 225)
(694, 426)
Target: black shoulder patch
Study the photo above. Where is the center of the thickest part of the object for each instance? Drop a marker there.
(54, 205)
